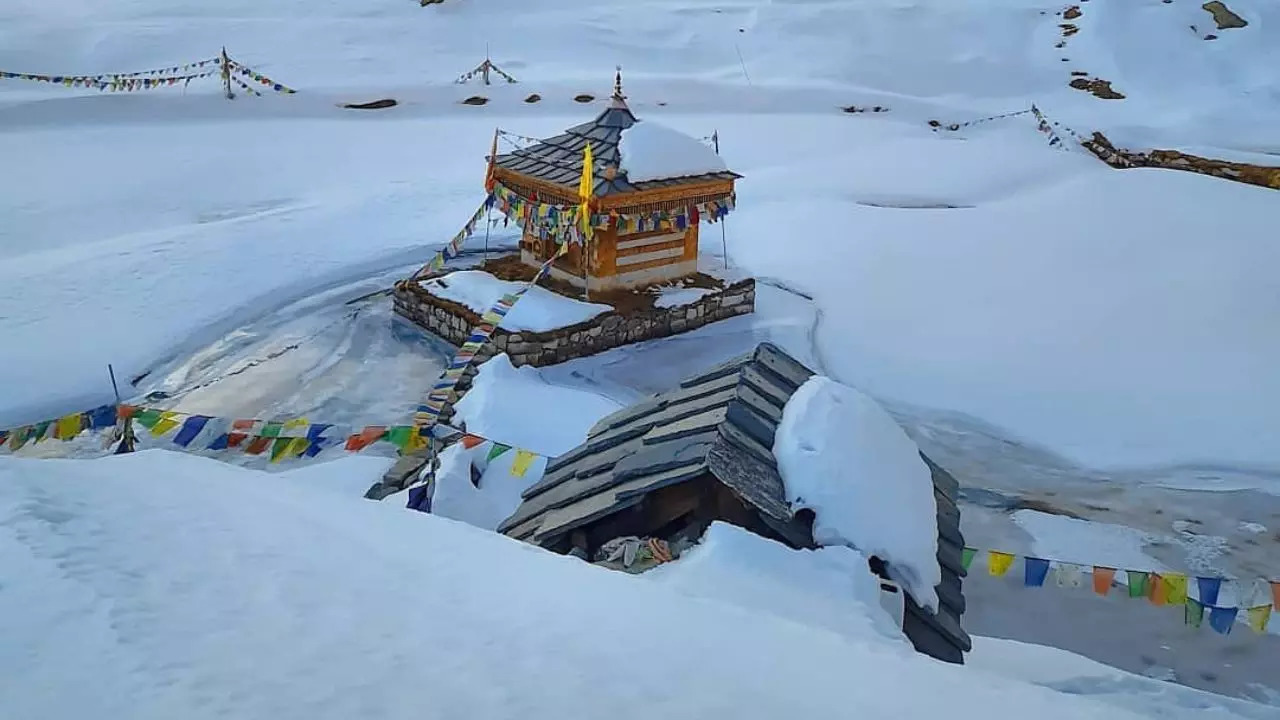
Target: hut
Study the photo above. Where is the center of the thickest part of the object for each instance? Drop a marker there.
(669, 466)
(651, 187)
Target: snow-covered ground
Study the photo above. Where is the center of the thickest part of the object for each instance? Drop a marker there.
(1043, 326)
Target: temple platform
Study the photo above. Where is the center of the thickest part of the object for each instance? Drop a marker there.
(554, 321)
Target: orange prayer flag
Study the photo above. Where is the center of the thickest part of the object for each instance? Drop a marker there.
(242, 424)
(470, 441)
(126, 411)
(1159, 590)
(365, 438)
(234, 439)
(1103, 577)
(1275, 595)
(258, 445)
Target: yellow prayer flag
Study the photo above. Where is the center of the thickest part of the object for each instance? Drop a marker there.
(168, 421)
(520, 465)
(68, 427)
(296, 423)
(1258, 618)
(998, 563)
(1175, 588)
(586, 184)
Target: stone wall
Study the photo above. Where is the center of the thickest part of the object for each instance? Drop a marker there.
(1265, 176)
(454, 322)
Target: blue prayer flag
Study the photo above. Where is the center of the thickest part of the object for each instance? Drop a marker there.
(1209, 588)
(1222, 619)
(1036, 570)
(191, 427)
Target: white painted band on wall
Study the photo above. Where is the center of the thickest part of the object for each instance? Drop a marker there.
(628, 244)
(646, 257)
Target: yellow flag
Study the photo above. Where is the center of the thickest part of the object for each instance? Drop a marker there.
(1258, 618)
(585, 186)
(520, 465)
(998, 563)
(167, 422)
(1175, 588)
(68, 427)
(296, 423)
(298, 446)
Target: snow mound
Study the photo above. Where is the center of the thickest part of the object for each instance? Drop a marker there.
(831, 588)
(161, 585)
(841, 455)
(655, 152)
(1087, 542)
(537, 311)
(514, 406)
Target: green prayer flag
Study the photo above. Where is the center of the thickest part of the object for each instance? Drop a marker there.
(148, 418)
(1137, 583)
(399, 435)
(966, 557)
(271, 429)
(41, 429)
(496, 450)
(278, 448)
(1193, 614)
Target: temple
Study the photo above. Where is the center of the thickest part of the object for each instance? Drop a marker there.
(652, 186)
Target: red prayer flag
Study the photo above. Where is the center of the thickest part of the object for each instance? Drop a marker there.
(258, 445)
(365, 438)
(470, 441)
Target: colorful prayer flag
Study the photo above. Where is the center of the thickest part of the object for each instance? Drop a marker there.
(1259, 617)
(1275, 595)
(1069, 575)
(191, 427)
(1157, 591)
(966, 557)
(1103, 577)
(1176, 587)
(1222, 619)
(471, 441)
(1034, 571)
(168, 421)
(1137, 583)
(68, 427)
(520, 465)
(1209, 587)
(496, 450)
(998, 563)
(1193, 615)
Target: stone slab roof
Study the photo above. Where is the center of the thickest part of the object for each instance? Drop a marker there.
(720, 422)
(559, 159)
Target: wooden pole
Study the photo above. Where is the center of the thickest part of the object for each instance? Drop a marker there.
(724, 242)
(114, 388)
(226, 75)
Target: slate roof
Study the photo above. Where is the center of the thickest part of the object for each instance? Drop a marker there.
(559, 159)
(720, 422)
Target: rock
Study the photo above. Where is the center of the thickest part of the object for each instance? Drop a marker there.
(372, 105)
(1223, 16)
(476, 100)
(533, 98)
(583, 98)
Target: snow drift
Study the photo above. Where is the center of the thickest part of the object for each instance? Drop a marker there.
(159, 585)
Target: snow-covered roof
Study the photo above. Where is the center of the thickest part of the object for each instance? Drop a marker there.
(722, 422)
(657, 157)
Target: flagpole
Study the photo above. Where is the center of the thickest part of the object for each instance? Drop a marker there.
(724, 242)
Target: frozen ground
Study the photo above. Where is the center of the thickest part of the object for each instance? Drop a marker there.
(1046, 328)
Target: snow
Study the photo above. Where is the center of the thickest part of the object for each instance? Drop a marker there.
(1087, 542)
(841, 455)
(538, 310)
(650, 151)
(675, 297)
(831, 587)
(513, 406)
(157, 585)
(1077, 675)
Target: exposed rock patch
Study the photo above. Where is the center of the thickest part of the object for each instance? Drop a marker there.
(475, 100)
(1223, 16)
(1099, 88)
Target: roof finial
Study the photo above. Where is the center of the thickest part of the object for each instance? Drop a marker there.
(617, 85)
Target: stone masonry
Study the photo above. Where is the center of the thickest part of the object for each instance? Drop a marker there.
(453, 322)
